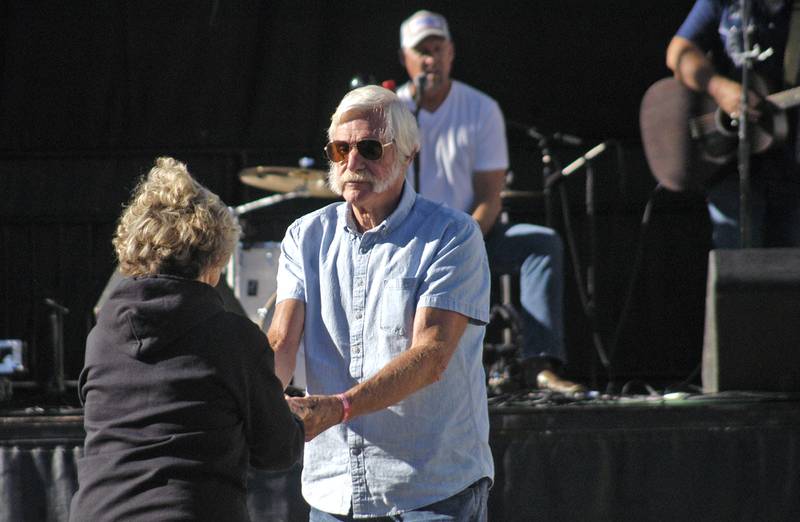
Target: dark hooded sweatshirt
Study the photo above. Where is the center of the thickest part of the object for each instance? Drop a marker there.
(179, 395)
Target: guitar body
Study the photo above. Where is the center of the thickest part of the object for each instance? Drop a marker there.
(688, 140)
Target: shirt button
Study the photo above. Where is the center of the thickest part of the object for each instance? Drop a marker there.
(356, 349)
(358, 315)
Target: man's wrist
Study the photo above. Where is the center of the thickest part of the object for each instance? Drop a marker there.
(346, 409)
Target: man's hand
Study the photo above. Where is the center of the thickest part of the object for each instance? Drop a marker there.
(318, 412)
(727, 93)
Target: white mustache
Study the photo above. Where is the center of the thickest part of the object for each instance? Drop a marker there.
(356, 177)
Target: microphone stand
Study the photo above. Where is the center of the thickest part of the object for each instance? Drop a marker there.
(745, 203)
(550, 166)
(749, 54)
(419, 89)
(57, 312)
(587, 291)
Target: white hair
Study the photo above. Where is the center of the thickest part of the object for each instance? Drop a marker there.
(399, 124)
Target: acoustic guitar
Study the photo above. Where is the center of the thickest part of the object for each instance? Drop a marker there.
(688, 139)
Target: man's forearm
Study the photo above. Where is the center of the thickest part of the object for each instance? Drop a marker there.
(436, 338)
(486, 216)
(693, 69)
(689, 64)
(409, 372)
(406, 374)
(284, 337)
(284, 367)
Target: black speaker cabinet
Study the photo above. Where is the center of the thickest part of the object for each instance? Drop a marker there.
(752, 327)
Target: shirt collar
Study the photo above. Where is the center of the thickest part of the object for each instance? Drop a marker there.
(407, 199)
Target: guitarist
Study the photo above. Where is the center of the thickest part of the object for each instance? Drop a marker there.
(705, 56)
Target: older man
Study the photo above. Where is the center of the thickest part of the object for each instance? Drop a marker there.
(462, 163)
(389, 293)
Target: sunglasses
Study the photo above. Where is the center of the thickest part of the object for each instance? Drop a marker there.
(372, 150)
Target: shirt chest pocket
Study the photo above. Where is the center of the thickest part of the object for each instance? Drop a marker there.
(397, 305)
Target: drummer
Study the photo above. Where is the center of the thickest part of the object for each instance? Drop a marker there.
(462, 162)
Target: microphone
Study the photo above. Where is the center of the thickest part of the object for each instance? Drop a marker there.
(575, 165)
(539, 135)
(560, 137)
(567, 139)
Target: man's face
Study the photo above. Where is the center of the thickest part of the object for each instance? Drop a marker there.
(433, 56)
(361, 181)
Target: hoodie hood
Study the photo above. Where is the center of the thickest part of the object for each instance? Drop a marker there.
(145, 314)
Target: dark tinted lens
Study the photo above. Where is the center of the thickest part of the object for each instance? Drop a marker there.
(337, 151)
(370, 149)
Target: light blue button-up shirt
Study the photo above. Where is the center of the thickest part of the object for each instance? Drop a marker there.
(360, 293)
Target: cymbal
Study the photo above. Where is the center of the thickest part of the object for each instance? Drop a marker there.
(288, 179)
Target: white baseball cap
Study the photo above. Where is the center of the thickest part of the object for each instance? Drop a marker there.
(421, 25)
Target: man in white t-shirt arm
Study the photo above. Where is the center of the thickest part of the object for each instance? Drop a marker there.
(462, 162)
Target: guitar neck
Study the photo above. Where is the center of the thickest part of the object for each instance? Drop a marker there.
(786, 99)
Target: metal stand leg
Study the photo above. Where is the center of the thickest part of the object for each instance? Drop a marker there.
(505, 299)
(504, 372)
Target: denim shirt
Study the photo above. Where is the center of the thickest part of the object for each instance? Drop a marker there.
(360, 293)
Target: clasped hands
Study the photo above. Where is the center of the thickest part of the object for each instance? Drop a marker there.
(318, 412)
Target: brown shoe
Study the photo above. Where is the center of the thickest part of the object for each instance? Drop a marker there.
(548, 380)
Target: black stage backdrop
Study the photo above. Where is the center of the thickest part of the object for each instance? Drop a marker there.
(91, 92)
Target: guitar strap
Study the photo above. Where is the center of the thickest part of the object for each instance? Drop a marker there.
(791, 56)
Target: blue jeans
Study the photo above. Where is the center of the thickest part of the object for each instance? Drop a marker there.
(470, 505)
(535, 253)
(775, 217)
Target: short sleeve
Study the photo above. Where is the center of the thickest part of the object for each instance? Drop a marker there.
(700, 24)
(492, 152)
(458, 278)
(291, 275)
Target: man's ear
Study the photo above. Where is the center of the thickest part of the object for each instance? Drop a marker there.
(411, 157)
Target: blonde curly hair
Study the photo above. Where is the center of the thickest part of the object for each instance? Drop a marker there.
(173, 225)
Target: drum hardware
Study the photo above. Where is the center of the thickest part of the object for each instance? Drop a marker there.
(520, 200)
(290, 183)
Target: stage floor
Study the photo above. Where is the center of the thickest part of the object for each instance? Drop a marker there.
(733, 456)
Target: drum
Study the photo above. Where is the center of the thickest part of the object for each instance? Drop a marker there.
(252, 274)
(254, 282)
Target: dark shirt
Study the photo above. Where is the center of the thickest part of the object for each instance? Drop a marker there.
(179, 397)
(716, 25)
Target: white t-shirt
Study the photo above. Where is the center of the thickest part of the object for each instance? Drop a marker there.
(466, 134)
